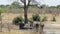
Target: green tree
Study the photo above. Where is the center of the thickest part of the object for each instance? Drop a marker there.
(1, 6)
(44, 19)
(52, 7)
(18, 19)
(53, 19)
(36, 17)
(58, 6)
(15, 4)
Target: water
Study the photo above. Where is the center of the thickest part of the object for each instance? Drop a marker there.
(49, 31)
(46, 31)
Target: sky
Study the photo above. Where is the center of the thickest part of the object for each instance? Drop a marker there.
(47, 2)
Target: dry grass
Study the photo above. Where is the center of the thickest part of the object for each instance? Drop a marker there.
(7, 18)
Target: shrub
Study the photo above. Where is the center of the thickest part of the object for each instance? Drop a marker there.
(35, 17)
(44, 19)
(53, 19)
(16, 20)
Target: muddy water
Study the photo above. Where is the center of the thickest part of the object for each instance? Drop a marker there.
(53, 31)
(46, 31)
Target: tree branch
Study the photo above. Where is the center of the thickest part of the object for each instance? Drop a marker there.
(28, 2)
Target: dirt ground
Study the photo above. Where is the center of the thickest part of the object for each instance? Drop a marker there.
(6, 31)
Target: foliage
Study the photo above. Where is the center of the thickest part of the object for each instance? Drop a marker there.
(44, 19)
(58, 6)
(15, 4)
(1, 6)
(16, 20)
(53, 19)
(36, 17)
(52, 7)
(1, 10)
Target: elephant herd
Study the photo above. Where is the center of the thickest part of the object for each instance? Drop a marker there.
(30, 25)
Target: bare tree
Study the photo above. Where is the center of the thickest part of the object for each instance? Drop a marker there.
(26, 9)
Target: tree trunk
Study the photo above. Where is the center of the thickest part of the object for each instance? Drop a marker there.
(25, 12)
(25, 16)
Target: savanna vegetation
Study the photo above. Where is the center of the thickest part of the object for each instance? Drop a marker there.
(29, 13)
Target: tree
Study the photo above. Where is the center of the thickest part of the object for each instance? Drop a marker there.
(58, 6)
(25, 11)
(18, 19)
(52, 7)
(26, 5)
(15, 4)
(1, 6)
(36, 17)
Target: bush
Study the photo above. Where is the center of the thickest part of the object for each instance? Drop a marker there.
(35, 17)
(53, 19)
(16, 20)
(44, 19)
